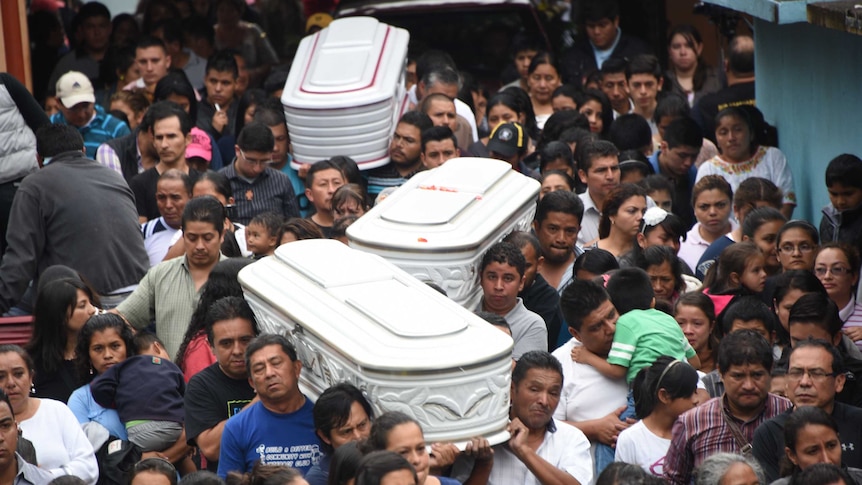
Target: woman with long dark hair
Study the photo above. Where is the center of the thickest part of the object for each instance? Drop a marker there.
(62, 308)
(811, 437)
(688, 75)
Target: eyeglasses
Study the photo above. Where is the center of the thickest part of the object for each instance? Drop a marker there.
(816, 375)
(254, 162)
(790, 249)
(835, 270)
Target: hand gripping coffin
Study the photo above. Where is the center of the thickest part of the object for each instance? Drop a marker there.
(345, 92)
(438, 225)
(354, 317)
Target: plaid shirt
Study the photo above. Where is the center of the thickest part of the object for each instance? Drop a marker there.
(702, 432)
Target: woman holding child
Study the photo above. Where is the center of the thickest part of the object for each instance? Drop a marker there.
(104, 341)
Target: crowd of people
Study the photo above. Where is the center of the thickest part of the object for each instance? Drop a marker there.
(671, 322)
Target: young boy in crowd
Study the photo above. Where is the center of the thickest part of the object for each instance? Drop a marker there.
(501, 274)
(147, 391)
(321, 182)
(748, 313)
(218, 110)
(645, 80)
(524, 47)
(263, 234)
(842, 218)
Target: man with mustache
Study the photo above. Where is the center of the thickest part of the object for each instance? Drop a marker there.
(815, 373)
(557, 223)
(404, 154)
(541, 449)
(726, 423)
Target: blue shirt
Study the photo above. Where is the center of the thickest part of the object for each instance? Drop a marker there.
(319, 474)
(273, 438)
(86, 409)
(101, 128)
(653, 160)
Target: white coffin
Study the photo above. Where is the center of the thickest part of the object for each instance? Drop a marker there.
(356, 318)
(438, 225)
(346, 80)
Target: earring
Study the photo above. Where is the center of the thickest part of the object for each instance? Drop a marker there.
(32, 388)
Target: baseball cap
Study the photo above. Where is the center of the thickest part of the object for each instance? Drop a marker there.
(73, 88)
(507, 139)
(320, 20)
(200, 146)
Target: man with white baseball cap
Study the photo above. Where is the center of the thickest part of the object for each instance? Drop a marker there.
(78, 108)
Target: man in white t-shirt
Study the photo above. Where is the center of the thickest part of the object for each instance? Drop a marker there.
(590, 401)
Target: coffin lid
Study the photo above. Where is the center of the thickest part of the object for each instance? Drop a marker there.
(370, 311)
(355, 62)
(455, 206)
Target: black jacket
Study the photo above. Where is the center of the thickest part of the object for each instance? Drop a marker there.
(540, 298)
(579, 60)
(126, 148)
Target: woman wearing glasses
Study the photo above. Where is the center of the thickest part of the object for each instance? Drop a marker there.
(797, 245)
(837, 267)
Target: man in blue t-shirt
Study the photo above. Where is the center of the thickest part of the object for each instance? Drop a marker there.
(279, 429)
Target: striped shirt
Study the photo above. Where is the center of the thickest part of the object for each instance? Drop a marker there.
(107, 156)
(703, 432)
(101, 128)
(851, 315)
(385, 177)
(270, 191)
(642, 336)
